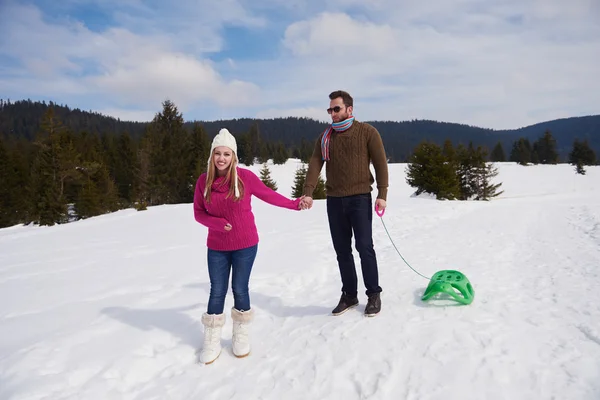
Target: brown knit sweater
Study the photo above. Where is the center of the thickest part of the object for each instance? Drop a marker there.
(347, 171)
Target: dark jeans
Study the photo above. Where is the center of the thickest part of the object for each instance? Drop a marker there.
(220, 263)
(347, 215)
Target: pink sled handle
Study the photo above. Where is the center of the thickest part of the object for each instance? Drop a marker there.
(380, 213)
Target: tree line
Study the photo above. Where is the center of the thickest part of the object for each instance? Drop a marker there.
(543, 151)
(21, 119)
(62, 174)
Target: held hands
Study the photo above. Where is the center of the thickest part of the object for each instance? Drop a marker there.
(306, 203)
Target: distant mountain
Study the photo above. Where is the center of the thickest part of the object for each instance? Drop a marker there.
(22, 119)
(564, 130)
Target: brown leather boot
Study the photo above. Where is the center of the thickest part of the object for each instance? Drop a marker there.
(346, 303)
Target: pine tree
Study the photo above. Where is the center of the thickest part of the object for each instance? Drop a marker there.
(256, 145)
(429, 171)
(521, 152)
(125, 168)
(281, 154)
(89, 147)
(19, 177)
(581, 154)
(200, 149)
(448, 151)
(535, 157)
(68, 161)
(108, 152)
(320, 189)
(264, 152)
(485, 189)
(88, 202)
(544, 150)
(299, 180)
(98, 193)
(169, 157)
(244, 146)
(306, 150)
(498, 154)
(296, 152)
(475, 174)
(142, 193)
(47, 204)
(7, 209)
(48, 208)
(464, 172)
(450, 154)
(109, 200)
(265, 177)
(470, 163)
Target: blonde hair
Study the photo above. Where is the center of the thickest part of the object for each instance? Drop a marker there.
(231, 176)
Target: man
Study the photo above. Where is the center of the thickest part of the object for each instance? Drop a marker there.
(348, 147)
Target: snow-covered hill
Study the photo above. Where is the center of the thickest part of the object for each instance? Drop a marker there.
(109, 307)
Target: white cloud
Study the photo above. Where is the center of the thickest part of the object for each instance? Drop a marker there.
(195, 25)
(124, 68)
(337, 35)
(465, 61)
(143, 73)
(496, 63)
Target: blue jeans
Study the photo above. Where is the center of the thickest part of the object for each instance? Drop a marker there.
(220, 263)
(347, 215)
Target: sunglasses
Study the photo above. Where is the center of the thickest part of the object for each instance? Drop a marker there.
(335, 109)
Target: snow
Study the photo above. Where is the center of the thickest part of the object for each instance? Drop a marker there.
(110, 307)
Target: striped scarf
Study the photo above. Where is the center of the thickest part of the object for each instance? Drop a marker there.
(338, 127)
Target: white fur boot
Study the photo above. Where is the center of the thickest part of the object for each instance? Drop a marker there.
(213, 323)
(241, 328)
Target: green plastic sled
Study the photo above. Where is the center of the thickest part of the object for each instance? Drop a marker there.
(453, 283)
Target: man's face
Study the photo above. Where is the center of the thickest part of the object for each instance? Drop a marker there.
(338, 110)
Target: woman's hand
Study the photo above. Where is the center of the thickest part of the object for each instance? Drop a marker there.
(306, 203)
(301, 203)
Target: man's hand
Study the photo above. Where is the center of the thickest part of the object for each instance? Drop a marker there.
(380, 204)
(300, 203)
(306, 203)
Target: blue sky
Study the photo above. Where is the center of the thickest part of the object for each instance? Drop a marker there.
(491, 63)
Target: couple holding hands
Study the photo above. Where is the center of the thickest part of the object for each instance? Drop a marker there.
(222, 203)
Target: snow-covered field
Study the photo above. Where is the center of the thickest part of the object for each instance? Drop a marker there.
(110, 307)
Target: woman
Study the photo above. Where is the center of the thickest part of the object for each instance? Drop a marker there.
(222, 203)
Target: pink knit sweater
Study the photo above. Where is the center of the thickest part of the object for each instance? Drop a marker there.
(221, 211)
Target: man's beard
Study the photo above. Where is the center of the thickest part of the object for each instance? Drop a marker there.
(341, 117)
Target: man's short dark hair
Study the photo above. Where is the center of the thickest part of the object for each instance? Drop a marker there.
(346, 98)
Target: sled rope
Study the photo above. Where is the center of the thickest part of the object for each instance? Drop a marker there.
(393, 244)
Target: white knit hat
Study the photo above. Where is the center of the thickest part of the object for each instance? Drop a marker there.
(224, 138)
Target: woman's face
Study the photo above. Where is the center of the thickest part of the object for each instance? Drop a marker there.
(222, 157)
